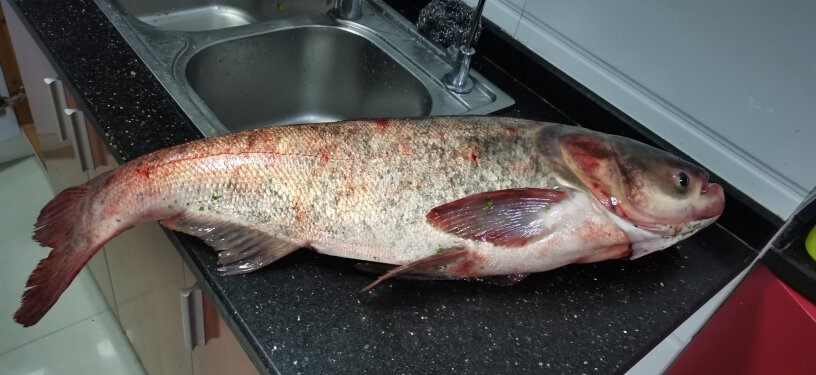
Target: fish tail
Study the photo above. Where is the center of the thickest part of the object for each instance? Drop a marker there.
(65, 226)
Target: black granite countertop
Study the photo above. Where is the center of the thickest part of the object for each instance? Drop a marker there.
(304, 313)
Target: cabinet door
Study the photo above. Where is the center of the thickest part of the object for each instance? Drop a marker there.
(146, 275)
(221, 353)
(46, 99)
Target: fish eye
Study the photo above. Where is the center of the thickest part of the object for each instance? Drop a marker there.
(682, 179)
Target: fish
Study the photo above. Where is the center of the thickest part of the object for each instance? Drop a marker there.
(439, 197)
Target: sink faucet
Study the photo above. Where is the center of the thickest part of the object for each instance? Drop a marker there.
(458, 80)
(348, 9)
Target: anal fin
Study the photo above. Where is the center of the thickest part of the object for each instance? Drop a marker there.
(444, 258)
(241, 248)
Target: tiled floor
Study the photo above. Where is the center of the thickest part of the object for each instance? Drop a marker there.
(80, 334)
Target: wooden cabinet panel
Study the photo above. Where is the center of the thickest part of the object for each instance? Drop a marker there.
(34, 67)
(222, 354)
(146, 275)
(47, 107)
(152, 323)
(98, 265)
(142, 260)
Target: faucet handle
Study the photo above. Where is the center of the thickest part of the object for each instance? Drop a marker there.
(348, 9)
(459, 80)
(453, 53)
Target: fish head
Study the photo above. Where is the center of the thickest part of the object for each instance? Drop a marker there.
(647, 187)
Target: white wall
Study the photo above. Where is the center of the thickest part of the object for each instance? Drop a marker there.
(731, 83)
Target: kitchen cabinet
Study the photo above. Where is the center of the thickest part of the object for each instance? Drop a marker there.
(139, 272)
(222, 354)
(46, 99)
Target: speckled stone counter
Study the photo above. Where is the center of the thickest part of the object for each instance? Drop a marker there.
(304, 314)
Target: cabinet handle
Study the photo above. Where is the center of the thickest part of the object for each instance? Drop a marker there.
(192, 316)
(82, 148)
(99, 153)
(58, 96)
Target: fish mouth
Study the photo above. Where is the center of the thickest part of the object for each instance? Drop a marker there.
(706, 184)
(714, 201)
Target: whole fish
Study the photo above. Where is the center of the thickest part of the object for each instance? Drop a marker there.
(450, 197)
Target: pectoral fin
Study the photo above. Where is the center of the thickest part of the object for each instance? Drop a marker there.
(512, 217)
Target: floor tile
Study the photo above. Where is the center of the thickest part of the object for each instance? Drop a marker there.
(92, 346)
(23, 191)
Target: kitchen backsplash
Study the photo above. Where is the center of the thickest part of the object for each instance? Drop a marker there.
(731, 83)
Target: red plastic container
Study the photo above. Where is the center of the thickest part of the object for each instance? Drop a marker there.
(763, 328)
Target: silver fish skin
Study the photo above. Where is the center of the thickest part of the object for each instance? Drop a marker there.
(447, 197)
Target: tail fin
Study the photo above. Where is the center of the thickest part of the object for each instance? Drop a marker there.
(59, 226)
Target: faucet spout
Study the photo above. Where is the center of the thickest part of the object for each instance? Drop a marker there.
(458, 80)
(349, 9)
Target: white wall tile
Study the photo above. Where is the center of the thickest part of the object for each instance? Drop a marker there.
(504, 13)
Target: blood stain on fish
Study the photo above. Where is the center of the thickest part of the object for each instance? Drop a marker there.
(468, 267)
(300, 214)
(383, 124)
(144, 173)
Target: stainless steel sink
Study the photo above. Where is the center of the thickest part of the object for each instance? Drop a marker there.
(299, 65)
(197, 15)
(303, 75)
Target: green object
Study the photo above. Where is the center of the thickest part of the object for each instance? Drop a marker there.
(810, 243)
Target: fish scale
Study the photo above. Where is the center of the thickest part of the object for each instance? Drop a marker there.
(444, 197)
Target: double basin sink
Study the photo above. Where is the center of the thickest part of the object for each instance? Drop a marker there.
(234, 65)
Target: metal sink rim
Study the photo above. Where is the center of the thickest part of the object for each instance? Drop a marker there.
(167, 52)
